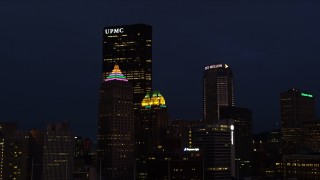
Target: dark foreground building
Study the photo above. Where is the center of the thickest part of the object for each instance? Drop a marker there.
(36, 154)
(130, 46)
(216, 142)
(14, 152)
(306, 167)
(242, 138)
(115, 128)
(58, 152)
(183, 164)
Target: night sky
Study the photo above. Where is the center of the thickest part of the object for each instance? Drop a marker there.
(51, 56)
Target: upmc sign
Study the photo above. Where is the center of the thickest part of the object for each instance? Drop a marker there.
(114, 31)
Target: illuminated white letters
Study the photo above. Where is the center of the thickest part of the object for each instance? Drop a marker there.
(191, 149)
(114, 31)
(215, 66)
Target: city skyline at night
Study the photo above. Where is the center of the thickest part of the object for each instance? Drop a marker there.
(239, 94)
(50, 71)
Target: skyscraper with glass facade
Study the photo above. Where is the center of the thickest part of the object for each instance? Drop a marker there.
(297, 110)
(130, 46)
(218, 90)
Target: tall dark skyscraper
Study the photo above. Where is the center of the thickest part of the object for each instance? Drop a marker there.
(218, 87)
(130, 46)
(151, 124)
(150, 132)
(297, 109)
(116, 127)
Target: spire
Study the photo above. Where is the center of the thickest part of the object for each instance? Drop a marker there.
(116, 74)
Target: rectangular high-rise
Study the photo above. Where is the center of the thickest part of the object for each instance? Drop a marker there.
(130, 46)
(217, 90)
(58, 152)
(297, 109)
(242, 137)
(216, 142)
(14, 152)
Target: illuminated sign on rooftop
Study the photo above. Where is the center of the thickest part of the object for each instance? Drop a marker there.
(306, 95)
(113, 31)
(191, 149)
(216, 66)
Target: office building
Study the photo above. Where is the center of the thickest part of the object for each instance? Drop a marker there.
(14, 152)
(130, 46)
(58, 152)
(297, 109)
(266, 153)
(151, 124)
(36, 152)
(82, 156)
(179, 134)
(242, 137)
(116, 127)
(306, 167)
(218, 90)
(312, 136)
(183, 164)
(216, 142)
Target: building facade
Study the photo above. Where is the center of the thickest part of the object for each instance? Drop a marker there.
(151, 124)
(58, 152)
(312, 136)
(266, 153)
(216, 142)
(14, 152)
(305, 167)
(116, 128)
(242, 138)
(218, 90)
(186, 164)
(297, 110)
(130, 46)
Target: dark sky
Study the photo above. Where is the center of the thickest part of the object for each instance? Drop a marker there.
(51, 55)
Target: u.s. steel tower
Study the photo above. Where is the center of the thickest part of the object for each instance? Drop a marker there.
(130, 46)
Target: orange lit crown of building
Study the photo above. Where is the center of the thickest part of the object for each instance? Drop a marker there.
(153, 99)
(116, 74)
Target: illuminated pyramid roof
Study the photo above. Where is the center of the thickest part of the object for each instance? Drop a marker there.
(153, 99)
(116, 74)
